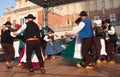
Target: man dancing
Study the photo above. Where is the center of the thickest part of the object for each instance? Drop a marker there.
(32, 37)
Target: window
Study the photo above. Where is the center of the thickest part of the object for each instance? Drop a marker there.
(103, 3)
(14, 22)
(95, 6)
(88, 6)
(67, 22)
(112, 17)
(22, 21)
(96, 17)
(111, 3)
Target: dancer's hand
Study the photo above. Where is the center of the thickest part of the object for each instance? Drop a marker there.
(50, 40)
(14, 33)
(105, 30)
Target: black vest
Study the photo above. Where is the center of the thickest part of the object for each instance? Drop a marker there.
(112, 37)
(6, 37)
(32, 30)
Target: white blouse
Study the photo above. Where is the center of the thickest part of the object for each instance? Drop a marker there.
(78, 28)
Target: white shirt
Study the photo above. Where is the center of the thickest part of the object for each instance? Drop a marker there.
(78, 28)
(21, 29)
(111, 31)
(46, 37)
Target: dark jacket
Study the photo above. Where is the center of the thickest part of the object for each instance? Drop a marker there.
(6, 37)
(32, 30)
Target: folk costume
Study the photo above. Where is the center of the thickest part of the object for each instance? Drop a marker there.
(100, 41)
(86, 34)
(73, 49)
(52, 47)
(18, 44)
(22, 60)
(110, 40)
(7, 44)
(32, 37)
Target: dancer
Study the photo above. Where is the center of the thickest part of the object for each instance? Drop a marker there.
(73, 49)
(7, 44)
(32, 37)
(110, 39)
(35, 62)
(100, 42)
(18, 44)
(86, 34)
(52, 48)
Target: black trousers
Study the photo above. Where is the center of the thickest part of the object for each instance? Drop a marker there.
(109, 48)
(86, 47)
(31, 46)
(95, 49)
(9, 51)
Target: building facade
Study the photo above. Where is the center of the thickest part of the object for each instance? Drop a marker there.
(61, 18)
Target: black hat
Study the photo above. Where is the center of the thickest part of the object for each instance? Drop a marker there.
(83, 13)
(30, 16)
(8, 23)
